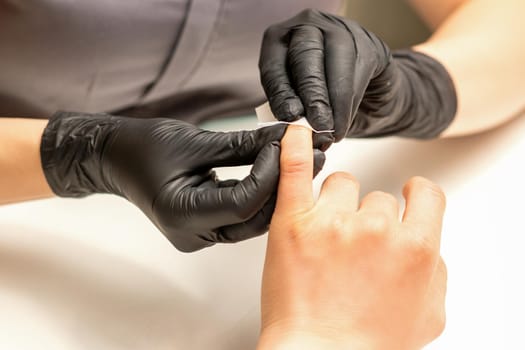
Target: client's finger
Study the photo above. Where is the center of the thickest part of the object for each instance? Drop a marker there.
(425, 206)
(340, 189)
(295, 184)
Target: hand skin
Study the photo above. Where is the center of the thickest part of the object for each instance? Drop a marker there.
(480, 43)
(22, 176)
(344, 275)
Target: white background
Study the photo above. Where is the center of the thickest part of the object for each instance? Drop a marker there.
(95, 274)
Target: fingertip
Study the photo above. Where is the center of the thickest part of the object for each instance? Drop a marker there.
(339, 134)
(418, 185)
(319, 160)
(341, 178)
(322, 141)
(297, 137)
(270, 134)
(320, 115)
(319, 155)
(341, 187)
(289, 110)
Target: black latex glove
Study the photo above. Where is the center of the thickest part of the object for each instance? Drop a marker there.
(342, 77)
(164, 166)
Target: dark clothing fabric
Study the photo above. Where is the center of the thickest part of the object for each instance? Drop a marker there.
(187, 59)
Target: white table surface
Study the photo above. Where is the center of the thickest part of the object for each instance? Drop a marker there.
(95, 274)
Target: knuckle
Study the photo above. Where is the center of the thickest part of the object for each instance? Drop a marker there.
(416, 182)
(381, 196)
(341, 178)
(319, 103)
(247, 139)
(308, 36)
(242, 143)
(272, 32)
(337, 226)
(421, 184)
(319, 110)
(236, 140)
(295, 161)
(375, 224)
(296, 231)
(270, 134)
(289, 108)
(367, 233)
(309, 14)
(420, 256)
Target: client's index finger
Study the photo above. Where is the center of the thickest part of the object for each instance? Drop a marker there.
(295, 192)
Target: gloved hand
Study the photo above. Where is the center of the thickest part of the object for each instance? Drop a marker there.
(164, 166)
(342, 77)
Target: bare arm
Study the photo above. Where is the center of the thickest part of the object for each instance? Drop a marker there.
(435, 12)
(22, 176)
(480, 43)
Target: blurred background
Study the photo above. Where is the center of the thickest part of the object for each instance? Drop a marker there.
(396, 22)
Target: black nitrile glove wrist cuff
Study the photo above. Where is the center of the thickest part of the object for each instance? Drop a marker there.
(71, 151)
(433, 100)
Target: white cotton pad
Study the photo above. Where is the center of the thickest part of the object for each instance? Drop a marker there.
(266, 118)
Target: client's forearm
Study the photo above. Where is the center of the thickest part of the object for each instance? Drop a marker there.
(481, 46)
(22, 176)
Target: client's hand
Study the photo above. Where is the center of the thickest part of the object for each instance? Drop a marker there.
(344, 275)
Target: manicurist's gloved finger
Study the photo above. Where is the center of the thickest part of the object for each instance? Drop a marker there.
(228, 183)
(231, 205)
(284, 102)
(341, 79)
(307, 65)
(319, 160)
(224, 149)
(253, 227)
